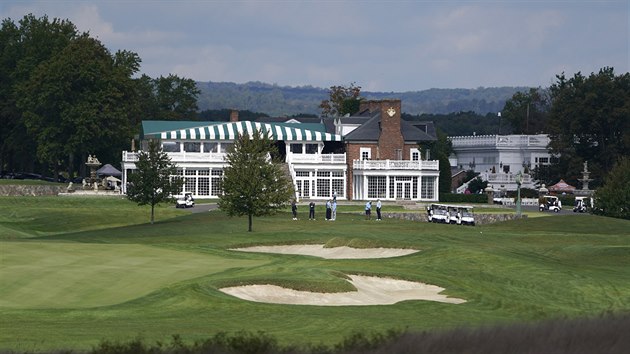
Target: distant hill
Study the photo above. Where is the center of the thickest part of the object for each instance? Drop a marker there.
(277, 100)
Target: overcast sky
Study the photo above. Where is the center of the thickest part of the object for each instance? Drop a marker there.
(380, 45)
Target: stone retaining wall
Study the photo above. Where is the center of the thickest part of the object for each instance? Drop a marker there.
(13, 190)
(480, 219)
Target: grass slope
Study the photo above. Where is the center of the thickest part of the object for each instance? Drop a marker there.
(519, 271)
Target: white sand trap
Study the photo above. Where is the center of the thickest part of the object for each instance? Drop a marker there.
(370, 291)
(342, 252)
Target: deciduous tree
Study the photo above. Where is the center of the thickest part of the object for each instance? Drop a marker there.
(527, 112)
(253, 184)
(155, 180)
(343, 100)
(589, 122)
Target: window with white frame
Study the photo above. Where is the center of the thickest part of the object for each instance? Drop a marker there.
(211, 147)
(170, 146)
(216, 181)
(427, 187)
(192, 147)
(414, 153)
(296, 148)
(225, 147)
(377, 186)
(312, 148)
(366, 153)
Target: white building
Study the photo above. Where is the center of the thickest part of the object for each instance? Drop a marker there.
(377, 158)
(498, 158)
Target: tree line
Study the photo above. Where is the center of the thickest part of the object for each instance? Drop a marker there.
(64, 96)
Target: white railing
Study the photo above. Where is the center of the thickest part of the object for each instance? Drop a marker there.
(505, 178)
(317, 158)
(540, 140)
(395, 165)
(128, 156)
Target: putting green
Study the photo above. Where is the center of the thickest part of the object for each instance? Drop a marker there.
(79, 275)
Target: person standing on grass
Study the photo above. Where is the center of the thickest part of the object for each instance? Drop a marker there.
(368, 210)
(334, 210)
(328, 206)
(311, 210)
(378, 210)
(294, 209)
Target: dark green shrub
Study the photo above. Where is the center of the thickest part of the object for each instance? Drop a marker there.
(463, 198)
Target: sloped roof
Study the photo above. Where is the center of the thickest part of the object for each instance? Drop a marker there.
(371, 130)
(150, 127)
(231, 130)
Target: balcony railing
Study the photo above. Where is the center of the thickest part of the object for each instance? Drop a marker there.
(129, 156)
(395, 165)
(317, 158)
(540, 140)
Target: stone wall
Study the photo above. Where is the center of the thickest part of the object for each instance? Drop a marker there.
(480, 219)
(30, 190)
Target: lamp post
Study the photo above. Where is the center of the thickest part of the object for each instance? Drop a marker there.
(519, 180)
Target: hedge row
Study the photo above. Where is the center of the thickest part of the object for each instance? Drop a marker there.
(463, 198)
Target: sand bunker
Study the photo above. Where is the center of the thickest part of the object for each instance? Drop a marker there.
(370, 291)
(331, 253)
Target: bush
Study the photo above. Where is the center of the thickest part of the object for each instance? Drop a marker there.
(613, 199)
(463, 198)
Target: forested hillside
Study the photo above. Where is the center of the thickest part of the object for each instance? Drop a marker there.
(285, 100)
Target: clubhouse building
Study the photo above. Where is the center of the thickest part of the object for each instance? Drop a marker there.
(372, 154)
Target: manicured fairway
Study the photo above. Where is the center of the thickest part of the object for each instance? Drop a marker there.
(75, 275)
(127, 279)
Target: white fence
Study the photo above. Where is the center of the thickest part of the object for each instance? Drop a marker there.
(395, 165)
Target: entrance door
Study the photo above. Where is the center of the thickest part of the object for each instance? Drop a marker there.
(403, 190)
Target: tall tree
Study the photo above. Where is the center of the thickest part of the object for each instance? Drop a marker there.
(589, 122)
(155, 180)
(613, 198)
(527, 112)
(342, 100)
(75, 102)
(254, 185)
(440, 150)
(176, 98)
(23, 47)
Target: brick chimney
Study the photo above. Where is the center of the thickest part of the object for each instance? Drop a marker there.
(234, 115)
(391, 138)
(370, 105)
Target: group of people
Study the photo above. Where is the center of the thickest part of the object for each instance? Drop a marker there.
(331, 209)
(368, 210)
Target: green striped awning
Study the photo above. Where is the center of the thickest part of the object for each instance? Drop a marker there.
(230, 131)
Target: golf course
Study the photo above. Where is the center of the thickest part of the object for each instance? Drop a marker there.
(76, 271)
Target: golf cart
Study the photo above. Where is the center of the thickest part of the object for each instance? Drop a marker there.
(466, 216)
(550, 203)
(581, 205)
(438, 213)
(187, 201)
(453, 215)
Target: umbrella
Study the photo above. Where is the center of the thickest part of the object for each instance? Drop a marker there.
(108, 170)
(562, 186)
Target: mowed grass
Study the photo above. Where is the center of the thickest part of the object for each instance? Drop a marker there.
(70, 287)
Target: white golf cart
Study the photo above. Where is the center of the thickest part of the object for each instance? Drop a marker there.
(438, 213)
(453, 214)
(581, 205)
(466, 216)
(550, 203)
(187, 201)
